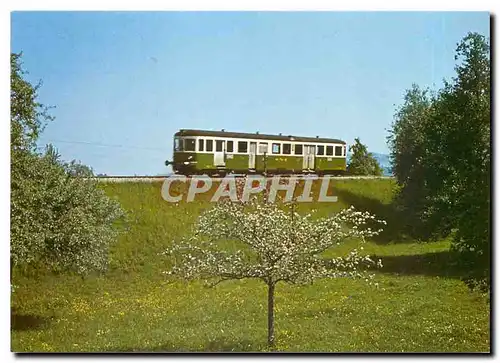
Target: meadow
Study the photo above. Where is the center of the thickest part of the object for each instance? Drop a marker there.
(420, 304)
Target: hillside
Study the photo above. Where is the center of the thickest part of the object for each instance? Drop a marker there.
(420, 304)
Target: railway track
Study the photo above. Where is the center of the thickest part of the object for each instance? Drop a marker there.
(151, 179)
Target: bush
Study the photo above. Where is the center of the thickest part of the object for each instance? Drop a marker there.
(60, 220)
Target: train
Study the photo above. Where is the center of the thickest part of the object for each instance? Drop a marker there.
(222, 152)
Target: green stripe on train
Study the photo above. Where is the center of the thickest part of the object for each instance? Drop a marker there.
(205, 161)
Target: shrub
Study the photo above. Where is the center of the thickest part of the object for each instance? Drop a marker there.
(60, 220)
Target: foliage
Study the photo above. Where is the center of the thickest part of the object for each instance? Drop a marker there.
(418, 306)
(442, 153)
(276, 245)
(59, 220)
(76, 169)
(407, 143)
(27, 115)
(362, 162)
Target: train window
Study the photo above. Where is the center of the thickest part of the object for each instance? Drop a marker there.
(189, 144)
(263, 148)
(338, 150)
(210, 145)
(229, 146)
(276, 148)
(201, 144)
(177, 144)
(242, 146)
(320, 150)
(287, 149)
(219, 145)
(329, 150)
(298, 149)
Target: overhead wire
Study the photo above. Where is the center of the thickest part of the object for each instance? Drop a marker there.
(104, 145)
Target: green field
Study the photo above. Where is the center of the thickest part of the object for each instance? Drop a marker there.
(420, 304)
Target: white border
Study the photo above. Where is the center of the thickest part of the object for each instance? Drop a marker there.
(10, 5)
(291, 5)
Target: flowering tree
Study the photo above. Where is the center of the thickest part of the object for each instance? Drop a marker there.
(59, 221)
(277, 244)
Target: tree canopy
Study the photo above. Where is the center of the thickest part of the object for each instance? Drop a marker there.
(60, 219)
(273, 243)
(441, 154)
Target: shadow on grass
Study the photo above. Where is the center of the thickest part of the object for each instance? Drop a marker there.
(213, 346)
(440, 264)
(393, 231)
(24, 322)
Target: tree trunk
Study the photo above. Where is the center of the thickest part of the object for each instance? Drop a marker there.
(270, 314)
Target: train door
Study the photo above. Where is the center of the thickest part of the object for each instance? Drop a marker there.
(308, 160)
(252, 151)
(219, 159)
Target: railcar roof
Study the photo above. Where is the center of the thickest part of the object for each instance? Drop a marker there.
(245, 135)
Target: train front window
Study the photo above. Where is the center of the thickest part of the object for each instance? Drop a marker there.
(189, 145)
(338, 150)
(177, 144)
(218, 145)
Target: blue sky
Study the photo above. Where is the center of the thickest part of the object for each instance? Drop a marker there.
(131, 80)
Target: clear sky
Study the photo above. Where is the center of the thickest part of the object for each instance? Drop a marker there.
(131, 80)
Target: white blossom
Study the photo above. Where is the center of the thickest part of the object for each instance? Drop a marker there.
(277, 244)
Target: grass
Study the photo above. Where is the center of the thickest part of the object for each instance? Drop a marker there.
(420, 304)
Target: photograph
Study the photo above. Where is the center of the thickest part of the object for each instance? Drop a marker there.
(266, 182)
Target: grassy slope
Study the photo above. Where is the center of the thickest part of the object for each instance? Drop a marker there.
(420, 304)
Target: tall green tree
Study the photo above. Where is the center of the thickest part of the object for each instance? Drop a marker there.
(59, 220)
(362, 162)
(408, 146)
(459, 137)
(441, 152)
(27, 116)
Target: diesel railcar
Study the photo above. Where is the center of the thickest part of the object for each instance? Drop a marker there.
(222, 152)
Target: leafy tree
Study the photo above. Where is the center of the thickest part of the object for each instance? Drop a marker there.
(272, 244)
(27, 115)
(362, 162)
(441, 149)
(407, 142)
(59, 221)
(406, 137)
(459, 137)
